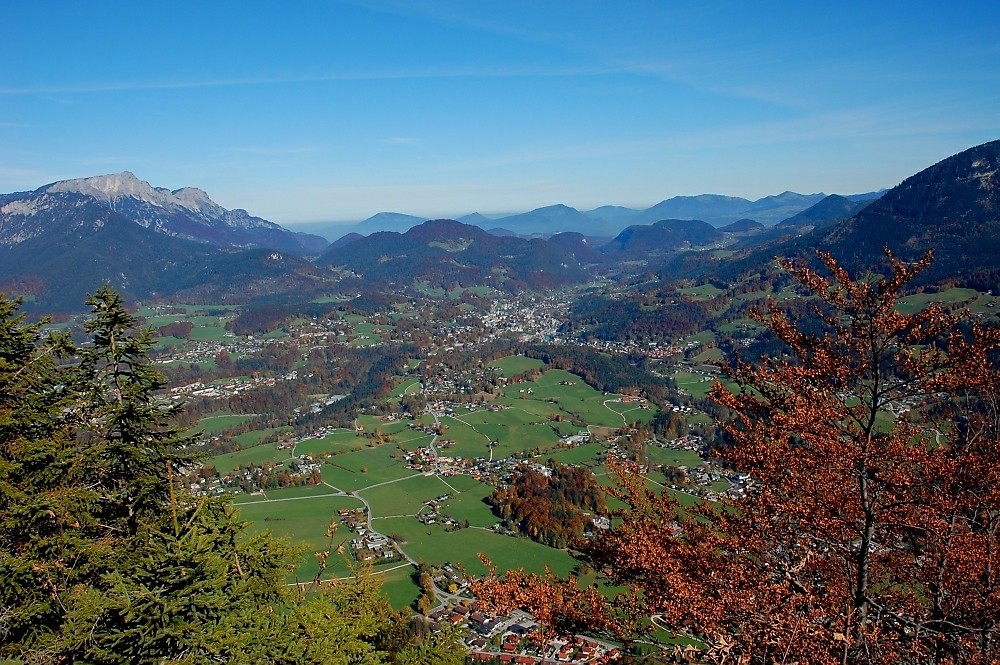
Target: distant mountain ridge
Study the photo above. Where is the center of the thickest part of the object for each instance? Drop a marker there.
(557, 218)
(447, 254)
(951, 207)
(826, 212)
(187, 213)
(85, 245)
(664, 236)
(742, 226)
(65, 239)
(388, 221)
(609, 220)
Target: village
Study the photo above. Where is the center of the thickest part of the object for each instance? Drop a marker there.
(443, 395)
(517, 638)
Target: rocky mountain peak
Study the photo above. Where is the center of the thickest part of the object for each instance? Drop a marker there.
(187, 213)
(195, 199)
(109, 187)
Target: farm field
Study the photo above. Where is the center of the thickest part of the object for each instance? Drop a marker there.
(513, 430)
(433, 545)
(971, 298)
(697, 385)
(588, 454)
(570, 394)
(405, 496)
(703, 291)
(303, 521)
(366, 467)
(356, 470)
(470, 505)
(254, 437)
(514, 365)
(337, 441)
(219, 422)
(406, 387)
(672, 457)
(208, 327)
(254, 455)
(285, 494)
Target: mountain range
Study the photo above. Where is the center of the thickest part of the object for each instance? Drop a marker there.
(65, 239)
(186, 213)
(605, 221)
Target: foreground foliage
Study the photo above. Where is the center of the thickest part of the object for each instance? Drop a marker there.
(868, 531)
(105, 559)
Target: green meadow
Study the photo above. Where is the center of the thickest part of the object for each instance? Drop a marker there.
(697, 385)
(514, 365)
(588, 454)
(405, 496)
(672, 457)
(255, 455)
(303, 521)
(536, 414)
(468, 503)
(971, 298)
(404, 388)
(702, 292)
(356, 470)
(513, 430)
(433, 545)
(334, 443)
(220, 422)
(558, 390)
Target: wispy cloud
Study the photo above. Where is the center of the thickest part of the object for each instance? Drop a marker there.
(892, 120)
(400, 140)
(495, 71)
(674, 71)
(859, 123)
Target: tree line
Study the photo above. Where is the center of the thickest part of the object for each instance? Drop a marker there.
(550, 508)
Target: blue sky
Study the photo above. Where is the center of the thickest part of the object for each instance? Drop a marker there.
(337, 110)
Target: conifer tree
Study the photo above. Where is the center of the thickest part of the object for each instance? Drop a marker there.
(39, 526)
(127, 428)
(105, 559)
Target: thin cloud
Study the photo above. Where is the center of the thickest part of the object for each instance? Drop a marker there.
(400, 140)
(499, 71)
(866, 123)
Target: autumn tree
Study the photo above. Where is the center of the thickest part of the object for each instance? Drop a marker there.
(867, 530)
(550, 508)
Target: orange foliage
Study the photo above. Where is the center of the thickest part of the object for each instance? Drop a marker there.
(862, 537)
